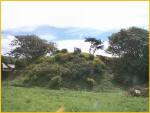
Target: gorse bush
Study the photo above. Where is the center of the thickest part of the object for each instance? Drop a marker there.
(45, 59)
(20, 63)
(55, 82)
(63, 70)
(82, 70)
(42, 74)
(99, 61)
(87, 56)
(63, 57)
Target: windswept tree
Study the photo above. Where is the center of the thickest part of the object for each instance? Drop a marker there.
(31, 47)
(95, 45)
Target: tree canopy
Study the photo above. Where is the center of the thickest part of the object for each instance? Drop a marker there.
(31, 47)
(132, 46)
(129, 42)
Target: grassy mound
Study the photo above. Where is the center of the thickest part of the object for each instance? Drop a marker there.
(75, 71)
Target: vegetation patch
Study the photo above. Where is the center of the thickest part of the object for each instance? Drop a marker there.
(35, 99)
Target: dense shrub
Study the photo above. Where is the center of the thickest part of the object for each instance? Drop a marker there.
(44, 73)
(99, 61)
(107, 60)
(127, 72)
(45, 59)
(91, 82)
(61, 57)
(8, 60)
(87, 56)
(55, 82)
(83, 70)
(20, 63)
(63, 70)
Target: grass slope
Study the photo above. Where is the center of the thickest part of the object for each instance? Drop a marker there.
(21, 99)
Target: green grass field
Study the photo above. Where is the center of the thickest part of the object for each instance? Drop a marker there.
(35, 99)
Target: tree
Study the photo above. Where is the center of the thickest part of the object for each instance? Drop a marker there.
(132, 46)
(128, 42)
(31, 47)
(95, 44)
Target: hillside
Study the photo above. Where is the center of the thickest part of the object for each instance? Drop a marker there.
(67, 70)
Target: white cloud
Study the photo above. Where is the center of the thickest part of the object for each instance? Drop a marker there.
(103, 15)
(84, 46)
(25, 29)
(47, 37)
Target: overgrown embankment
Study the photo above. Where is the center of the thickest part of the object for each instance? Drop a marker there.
(67, 70)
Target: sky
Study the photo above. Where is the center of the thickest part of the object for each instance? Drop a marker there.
(65, 21)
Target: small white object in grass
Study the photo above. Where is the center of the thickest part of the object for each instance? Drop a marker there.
(95, 104)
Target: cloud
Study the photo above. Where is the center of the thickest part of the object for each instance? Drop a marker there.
(84, 46)
(48, 37)
(25, 29)
(102, 15)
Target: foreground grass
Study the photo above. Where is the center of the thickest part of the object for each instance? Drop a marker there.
(21, 99)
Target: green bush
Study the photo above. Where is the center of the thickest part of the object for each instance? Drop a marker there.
(40, 60)
(45, 59)
(91, 57)
(42, 73)
(87, 56)
(81, 69)
(55, 82)
(8, 59)
(20, 63)
(63, 71)
(63, 57)
(50, 60)
(91, 82)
